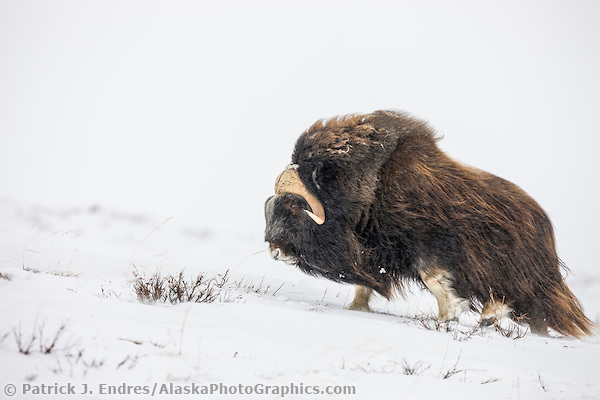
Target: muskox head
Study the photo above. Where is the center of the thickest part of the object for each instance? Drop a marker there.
(300, 231)
(291, 213)
(322, 197)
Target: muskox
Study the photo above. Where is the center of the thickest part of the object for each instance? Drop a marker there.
(372, 201)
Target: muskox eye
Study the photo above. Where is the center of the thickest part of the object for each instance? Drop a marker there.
(323, 174)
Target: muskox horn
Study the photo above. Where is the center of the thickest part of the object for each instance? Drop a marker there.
(289, 182)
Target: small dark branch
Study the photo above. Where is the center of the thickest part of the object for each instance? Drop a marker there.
(434, 324)
(222, 280)
(32, 270)
(119, 365)
(133, 362)
(134, 341)
(490, 380)
(159, 345)
(46, 348)
(108, 293)
(542, 384)
(79, 355)
(24, 345)
(324, 294)
(251, 288)
(431, 324)
(64, 274)
(514, 331)
(3, 337)
(417, 369)
(275, 292)
(4, 276)
(469, 334)
(452, 371)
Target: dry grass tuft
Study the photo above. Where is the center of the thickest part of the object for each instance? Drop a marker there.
(416, 369)
(25, 343)
(512, 329)
(452, 371)
(177, 289)
(32, 270)
(64, 274)
(4, 276)
(515, 330)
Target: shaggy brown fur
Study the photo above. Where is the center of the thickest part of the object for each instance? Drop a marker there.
(398, 208)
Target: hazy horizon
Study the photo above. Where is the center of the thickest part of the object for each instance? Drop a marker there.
(191, 109)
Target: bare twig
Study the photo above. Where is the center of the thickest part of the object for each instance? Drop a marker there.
(5, 276)
(23, 344)
(416, 369)
(453, 370)
(542, 384)
(46, 348)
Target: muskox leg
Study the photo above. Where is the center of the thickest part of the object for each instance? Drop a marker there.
(539, 327)
(493, 311)
(361, 299)
(439, 282)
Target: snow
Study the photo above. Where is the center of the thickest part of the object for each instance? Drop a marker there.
(272, 325)
(146, 136)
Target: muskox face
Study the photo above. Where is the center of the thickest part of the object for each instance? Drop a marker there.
(324, 201)
(286, 218)
(300, 234)
(290, 215)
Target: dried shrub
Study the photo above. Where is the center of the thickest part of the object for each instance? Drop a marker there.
(249, 287)
(149, 290)
(25, 343)
(416, 369)
(4, 276)
(451, 371)
(177, 289)
(46, 346)
(516, 329)
(64, 274)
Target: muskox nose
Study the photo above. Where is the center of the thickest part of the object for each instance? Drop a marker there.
(276, 253)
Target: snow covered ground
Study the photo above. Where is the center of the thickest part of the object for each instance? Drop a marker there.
(144, 136)
(272, 326)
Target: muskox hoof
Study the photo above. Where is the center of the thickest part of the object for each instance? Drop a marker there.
(362, 295)
(355, 306)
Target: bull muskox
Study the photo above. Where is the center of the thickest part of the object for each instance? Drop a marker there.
(372, 201)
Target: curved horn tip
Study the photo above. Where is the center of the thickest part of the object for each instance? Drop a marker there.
(314, 217)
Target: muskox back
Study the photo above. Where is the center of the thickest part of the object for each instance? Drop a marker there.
(397, 208)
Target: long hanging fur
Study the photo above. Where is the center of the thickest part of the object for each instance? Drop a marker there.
(398, 207)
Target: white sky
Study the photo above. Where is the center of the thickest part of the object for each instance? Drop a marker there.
(191, 108)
